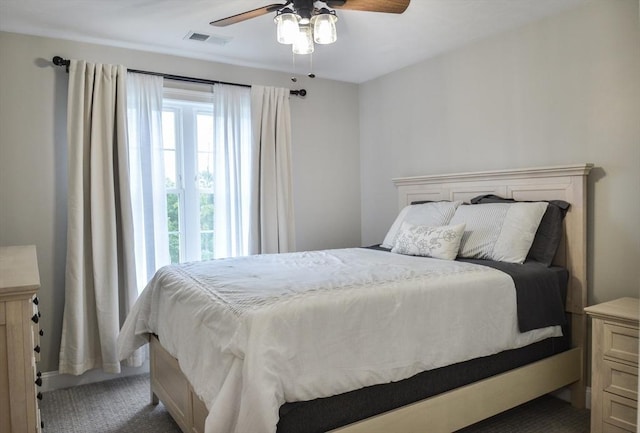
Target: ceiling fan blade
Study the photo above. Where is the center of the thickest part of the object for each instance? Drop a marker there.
(387, 6)
(248, 14)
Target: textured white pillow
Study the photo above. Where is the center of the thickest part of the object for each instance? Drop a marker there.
(498, 231)
(438, 242)
(433, 214)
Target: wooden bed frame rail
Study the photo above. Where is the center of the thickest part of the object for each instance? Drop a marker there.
(463, 406)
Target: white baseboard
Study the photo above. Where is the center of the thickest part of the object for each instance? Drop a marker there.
(52, 380)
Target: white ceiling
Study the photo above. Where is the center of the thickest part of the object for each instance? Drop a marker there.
(369, 44)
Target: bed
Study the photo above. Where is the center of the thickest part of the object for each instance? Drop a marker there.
(446, 408)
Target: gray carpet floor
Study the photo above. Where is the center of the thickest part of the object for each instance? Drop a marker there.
(122, 406)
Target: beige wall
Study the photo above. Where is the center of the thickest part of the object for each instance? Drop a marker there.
(562, 90)
(33, 154)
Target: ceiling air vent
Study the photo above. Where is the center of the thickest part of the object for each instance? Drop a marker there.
(203, 37)
(199, 37)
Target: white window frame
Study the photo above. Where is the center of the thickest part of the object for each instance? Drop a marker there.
(187, 104)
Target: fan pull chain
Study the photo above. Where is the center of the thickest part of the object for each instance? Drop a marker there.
(311, 74)
(293, 61)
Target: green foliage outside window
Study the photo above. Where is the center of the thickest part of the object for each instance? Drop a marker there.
(173, 220)
(206, 226)
(205, 181)
(206, 219)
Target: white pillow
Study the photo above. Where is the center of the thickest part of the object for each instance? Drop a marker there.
(437, 242)
(434, 214)
(499, 231)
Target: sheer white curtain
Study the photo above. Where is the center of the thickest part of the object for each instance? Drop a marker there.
(100, 278)
(272, 225)
(232, 173)
(148, 193)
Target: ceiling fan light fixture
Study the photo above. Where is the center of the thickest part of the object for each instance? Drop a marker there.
(287, 26)
(303, 43)
(324, 26)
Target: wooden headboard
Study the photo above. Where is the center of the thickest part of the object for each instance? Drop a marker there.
(568, 183)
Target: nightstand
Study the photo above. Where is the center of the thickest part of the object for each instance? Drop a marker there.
(614, 365)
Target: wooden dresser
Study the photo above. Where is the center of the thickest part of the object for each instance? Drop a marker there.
(19, 340)
(614, 366)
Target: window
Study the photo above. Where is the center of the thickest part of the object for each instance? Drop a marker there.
(187, 132)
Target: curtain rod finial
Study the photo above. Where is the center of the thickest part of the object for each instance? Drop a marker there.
(59, 61)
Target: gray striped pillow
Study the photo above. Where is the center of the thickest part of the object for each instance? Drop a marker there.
(498, 231)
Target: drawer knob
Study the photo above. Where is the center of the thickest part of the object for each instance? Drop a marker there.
(39, 381)
(35, 318)
(37, 349)
(39, 396)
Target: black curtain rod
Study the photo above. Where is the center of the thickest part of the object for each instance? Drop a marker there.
(59, 61)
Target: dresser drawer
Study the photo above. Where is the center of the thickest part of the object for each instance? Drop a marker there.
(620, 379)
(619, 411)
(620, 343)
(608, 428)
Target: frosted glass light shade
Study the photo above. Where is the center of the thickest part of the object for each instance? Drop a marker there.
(287, 27)
(303, 43)
(324, 28)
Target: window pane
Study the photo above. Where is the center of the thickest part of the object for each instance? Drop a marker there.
(173, 212)
(204, 124)
(173, 226)
(174, 247)
(205, 132)
(206, 211)
(206, 246)
(170, 168)
(169, 129)
(169, 145)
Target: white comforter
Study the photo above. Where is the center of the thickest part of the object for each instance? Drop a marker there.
(251, 333)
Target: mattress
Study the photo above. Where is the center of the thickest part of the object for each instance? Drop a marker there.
(253, 333)
(324, 414)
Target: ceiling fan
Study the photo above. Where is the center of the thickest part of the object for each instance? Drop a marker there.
(306, 8)
(300, 23)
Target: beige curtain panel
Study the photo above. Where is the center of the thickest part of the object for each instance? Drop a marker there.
(272, 227)
(100, 284)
